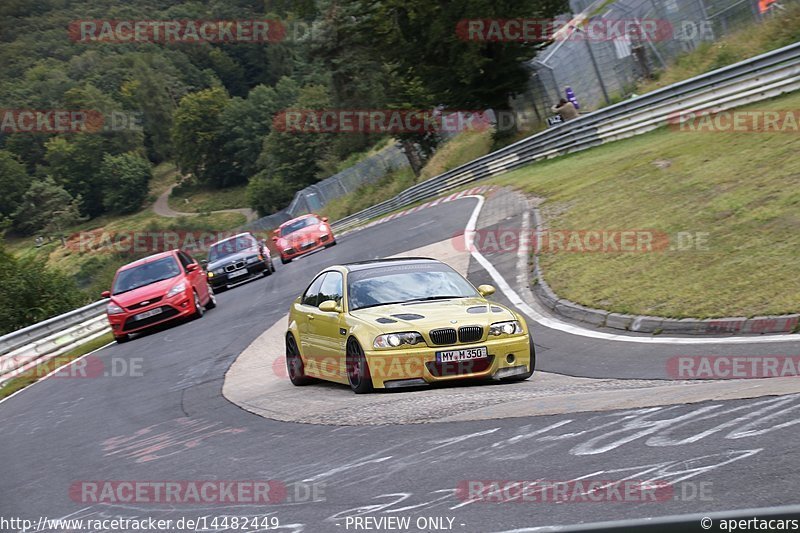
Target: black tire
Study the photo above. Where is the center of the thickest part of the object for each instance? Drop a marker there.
(272, 266)
(331, 244)
(122, 338)
(357, 368)
(267, 270)
(294, 363)
(526, 375)
(199, 310)
(284, 261)
(212, 300)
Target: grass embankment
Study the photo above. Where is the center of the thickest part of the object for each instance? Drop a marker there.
(742, 189)
(191, 198)
(751, 40)
(459, 150)
(41, 370)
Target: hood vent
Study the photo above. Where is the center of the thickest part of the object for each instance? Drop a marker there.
(408, 316)
(477, 310)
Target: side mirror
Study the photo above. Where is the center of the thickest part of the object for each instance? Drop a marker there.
(274, 239)
(324, 219)
(486, 290)
(105, 294)
(204, 262)
(330, 306)
(192, 267)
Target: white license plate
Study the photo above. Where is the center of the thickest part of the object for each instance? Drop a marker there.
(237, 273)
(148, 314)
(462, 355)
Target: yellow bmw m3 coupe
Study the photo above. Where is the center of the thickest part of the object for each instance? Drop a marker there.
(402, 323)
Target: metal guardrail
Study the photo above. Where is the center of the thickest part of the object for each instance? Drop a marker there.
(21, 349)
(755, 79)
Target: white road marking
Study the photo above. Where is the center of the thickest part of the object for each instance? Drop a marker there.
(517, 301)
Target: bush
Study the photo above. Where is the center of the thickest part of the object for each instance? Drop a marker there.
(31, 293)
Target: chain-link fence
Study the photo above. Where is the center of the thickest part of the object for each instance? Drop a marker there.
(314, 197)
(602, 71)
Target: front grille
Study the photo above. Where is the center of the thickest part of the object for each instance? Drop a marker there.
(234, 266)
(443, 336)
(470, 334)
(459, 368)
(307, 245)
(167, 311)
(145, 303)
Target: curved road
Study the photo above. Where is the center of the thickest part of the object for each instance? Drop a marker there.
(164, 418)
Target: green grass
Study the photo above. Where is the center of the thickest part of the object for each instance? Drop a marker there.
(742, 189)
(192, 198)
(367, 195)
(41, 370)
(748, 41)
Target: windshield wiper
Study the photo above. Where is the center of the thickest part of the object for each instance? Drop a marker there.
(431, 298)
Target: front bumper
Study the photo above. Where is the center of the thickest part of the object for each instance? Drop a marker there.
(179, 306)
(410, 366)
(222, 280)
(299, 249)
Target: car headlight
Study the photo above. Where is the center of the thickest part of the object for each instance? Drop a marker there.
(114, 309)
(511, 327)
(393, 340)
(253, 259)
(180, 287)
(323, 228)
(211, 274)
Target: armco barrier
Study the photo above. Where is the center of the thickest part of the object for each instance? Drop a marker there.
(39, 342)
(753, 80)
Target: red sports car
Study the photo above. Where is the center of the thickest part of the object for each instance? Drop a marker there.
(302, 235)
(156, 289)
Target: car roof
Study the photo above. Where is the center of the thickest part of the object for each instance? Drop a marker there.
(149, 259)
(301, 217)
(383, 263)
(233, 237)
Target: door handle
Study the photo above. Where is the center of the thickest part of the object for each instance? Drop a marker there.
(310, 317)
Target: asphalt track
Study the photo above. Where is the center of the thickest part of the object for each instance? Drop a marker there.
(169, 421)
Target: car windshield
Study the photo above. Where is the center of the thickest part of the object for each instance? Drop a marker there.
(145, 274)
(230, 247)
(407, 283)
(298, 225)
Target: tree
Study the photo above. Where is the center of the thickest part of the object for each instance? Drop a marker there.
(197, 136)
(14, 181)
(296, 156)
(419, 39)
(47, 207)
(268, 193)
(125, 180)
